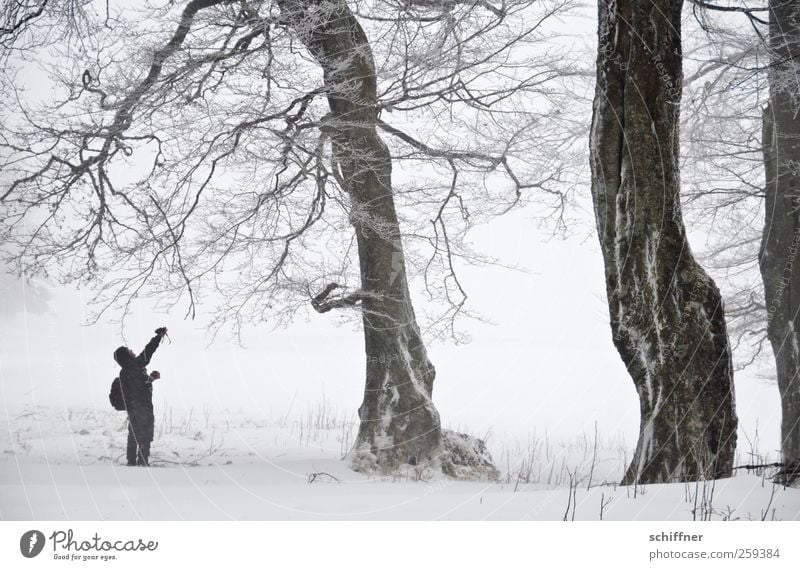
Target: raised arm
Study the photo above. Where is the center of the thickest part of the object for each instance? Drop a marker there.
(147, 353)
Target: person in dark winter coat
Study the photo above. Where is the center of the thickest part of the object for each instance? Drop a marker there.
(137, 392)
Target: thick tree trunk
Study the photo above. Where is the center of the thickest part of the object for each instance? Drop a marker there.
(666, 313)
(399, 423)
(781, 240)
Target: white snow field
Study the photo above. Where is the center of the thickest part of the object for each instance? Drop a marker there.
(68, 464)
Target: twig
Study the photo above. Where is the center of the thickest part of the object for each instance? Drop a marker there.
(761, 466)
(314, 476)
(769, 504)
(594, 458)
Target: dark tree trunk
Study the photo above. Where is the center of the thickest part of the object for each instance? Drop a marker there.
(781, 239)
(399, 423)
(666, 312)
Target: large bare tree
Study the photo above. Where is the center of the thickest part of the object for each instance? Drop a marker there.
(666, 313)
(217, 151)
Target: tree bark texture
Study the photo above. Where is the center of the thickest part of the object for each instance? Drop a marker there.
(666, 313)
(780, 266)
(399, 423)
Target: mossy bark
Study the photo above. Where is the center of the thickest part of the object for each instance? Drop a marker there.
(666, 313)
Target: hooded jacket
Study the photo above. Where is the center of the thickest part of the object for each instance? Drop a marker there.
(137, 388)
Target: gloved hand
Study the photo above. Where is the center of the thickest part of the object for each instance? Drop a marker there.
(155, 375)
(161, 331)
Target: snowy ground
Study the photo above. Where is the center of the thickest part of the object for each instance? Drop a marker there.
(61, 464)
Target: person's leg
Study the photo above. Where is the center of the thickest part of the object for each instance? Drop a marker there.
(148, 427)
(138, 426)
(131, 451)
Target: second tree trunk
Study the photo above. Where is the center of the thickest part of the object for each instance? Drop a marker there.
(666, 312)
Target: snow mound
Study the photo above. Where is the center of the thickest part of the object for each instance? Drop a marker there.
(465, 457)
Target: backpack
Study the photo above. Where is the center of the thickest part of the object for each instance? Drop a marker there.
(115, 396)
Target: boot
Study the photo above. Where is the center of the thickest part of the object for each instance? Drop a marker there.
(144, 455)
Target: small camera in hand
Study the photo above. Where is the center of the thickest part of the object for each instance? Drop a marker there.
(161, 331)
